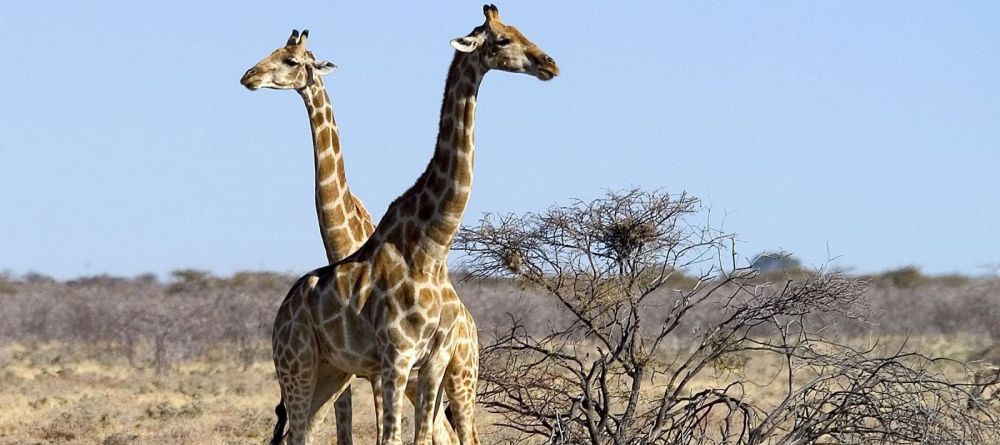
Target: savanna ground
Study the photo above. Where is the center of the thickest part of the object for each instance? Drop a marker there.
(119, 361)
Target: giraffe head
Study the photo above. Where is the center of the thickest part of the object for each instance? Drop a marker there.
(503, 47)
(289, 67)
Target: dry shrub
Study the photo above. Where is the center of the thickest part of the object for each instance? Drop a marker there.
(606, 368)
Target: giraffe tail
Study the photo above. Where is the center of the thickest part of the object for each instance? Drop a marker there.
(450, 416)
(279, 427)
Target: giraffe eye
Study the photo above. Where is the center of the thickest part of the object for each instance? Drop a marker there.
(291, 61)
(503, 42)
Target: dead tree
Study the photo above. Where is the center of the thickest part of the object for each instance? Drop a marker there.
(626, 360)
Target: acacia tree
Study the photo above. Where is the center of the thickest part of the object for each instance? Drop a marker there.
(612, 367)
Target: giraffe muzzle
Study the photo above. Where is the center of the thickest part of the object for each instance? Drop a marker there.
(545, 66)
(247, 80)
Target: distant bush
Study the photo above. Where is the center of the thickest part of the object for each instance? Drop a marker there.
(767, 262)
(151, 323)
(904, 277)
(191, 280)
(7, 284)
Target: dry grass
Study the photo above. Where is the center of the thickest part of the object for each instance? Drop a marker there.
(62, 393)
(57, 393)
(78, 362)
(54, 394)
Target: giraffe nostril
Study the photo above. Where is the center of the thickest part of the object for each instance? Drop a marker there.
(549, 59)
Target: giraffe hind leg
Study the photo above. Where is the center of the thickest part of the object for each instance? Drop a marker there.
(296, 364)
(343, 411)
(460, 383)
(442, 432)
(428, 398)
(332, 383)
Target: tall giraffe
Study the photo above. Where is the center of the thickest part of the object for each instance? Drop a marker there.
(344, 222)
(390, 305)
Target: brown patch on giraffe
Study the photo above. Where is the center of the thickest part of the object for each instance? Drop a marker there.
(334, 138)
(317, 101)
(454, 207)
(407, 206)
(355, 225)
(406, 296)
(448, 165)
(397, 336)
(337, 215)
(324, 169)
(422, 260)
(406, 300)
(428, 330)
(323, 137)
(341, 175)
(394, 273)
(438, 185)
(426, 297)
(329, 192)
(410, 231)
(412, 324)
(328, 112)
(427, 207)
(316, 120)
(447, 125)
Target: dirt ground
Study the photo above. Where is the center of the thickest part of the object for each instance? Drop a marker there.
(53, 394)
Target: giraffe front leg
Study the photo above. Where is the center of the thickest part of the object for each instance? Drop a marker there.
(376, 383)
(395, 370)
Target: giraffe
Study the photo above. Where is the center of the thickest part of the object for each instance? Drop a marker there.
(390, 306)
(344, 222)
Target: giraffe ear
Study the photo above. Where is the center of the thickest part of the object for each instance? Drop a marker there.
(467, 44)
(491, 12)
(323, 67)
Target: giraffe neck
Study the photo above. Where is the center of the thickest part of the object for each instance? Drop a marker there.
(343, 222)
(427, 216)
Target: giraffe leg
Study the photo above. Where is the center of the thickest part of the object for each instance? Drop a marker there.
(297, 371)
(330, 383)
(428, 397)
(442, 432)
(344, 417)
(461, 381)
(376, 383)
(394, 373)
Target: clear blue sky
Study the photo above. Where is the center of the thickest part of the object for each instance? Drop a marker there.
(867, 131)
